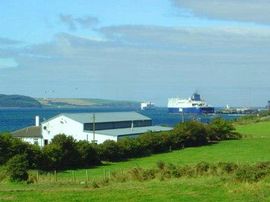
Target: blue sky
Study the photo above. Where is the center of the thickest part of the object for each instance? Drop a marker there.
(137, 50)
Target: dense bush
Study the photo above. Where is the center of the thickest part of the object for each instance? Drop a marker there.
(17, 168)
(11, 146)
(153, 142)
(61, 153)
(131, 147)
(251, 173)
(190, 133)
(88, 154)
(110, 151)
(64, 152)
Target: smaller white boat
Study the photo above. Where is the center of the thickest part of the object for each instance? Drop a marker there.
(147, 105)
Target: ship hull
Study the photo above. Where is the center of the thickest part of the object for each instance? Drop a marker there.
(192, 110)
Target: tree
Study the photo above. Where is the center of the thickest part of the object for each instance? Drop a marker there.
(5, 147)
(11, 146)
(62, 153)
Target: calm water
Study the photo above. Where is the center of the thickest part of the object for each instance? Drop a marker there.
(13, 119)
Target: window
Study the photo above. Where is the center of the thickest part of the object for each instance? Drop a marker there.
(36, 141)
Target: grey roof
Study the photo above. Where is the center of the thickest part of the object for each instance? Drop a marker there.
(134, 131)
(101, 117)
(33, 131)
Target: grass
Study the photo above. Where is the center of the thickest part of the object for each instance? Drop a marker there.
(195, 189)
(254, 147)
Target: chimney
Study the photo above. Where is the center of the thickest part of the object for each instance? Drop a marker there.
(132, 126)
(37, 121)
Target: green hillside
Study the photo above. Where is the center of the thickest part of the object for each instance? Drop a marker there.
(18, 101)
(254, 147)
(83, 102)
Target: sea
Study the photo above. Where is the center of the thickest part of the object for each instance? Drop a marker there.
(12, 119)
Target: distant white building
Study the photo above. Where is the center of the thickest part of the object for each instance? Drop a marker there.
(93, 127)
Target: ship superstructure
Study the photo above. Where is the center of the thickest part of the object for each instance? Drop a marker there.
(194, 104)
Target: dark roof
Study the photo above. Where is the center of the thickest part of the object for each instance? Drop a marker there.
(102, 117)
(32, 131)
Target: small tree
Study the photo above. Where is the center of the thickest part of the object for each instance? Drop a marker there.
(61, 153)
(221, 129)
(17, 168)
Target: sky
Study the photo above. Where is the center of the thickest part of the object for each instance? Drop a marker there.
(137, 50)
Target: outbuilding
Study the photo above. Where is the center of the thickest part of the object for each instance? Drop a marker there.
(93, 127)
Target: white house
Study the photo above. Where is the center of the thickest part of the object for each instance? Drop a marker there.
(93, 127)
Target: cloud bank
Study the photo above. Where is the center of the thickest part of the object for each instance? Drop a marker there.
(256, 11)
(149, 62)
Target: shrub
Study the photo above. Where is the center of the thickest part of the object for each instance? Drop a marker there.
(110, 151)
(52, 157)
(11, 146)
(227, 167)
(94, 184)
(221, 129)
(62, 153)
(202, 168)
(87, 154)
(250, 173)
(152, 142)
(136, 174)
(131, 147)
(161, 165)
(5, 147)
(148, 174)
(190, 133)
(3, 173)
(17, 168)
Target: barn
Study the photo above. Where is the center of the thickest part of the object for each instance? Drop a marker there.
(93, 127)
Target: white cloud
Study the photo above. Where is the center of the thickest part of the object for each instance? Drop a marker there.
(238, 10)
(146, 62)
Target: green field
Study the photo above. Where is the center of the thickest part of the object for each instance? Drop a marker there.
(254, 147)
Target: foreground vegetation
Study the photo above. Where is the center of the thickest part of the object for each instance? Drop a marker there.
(73, 185)
(165, 182)
(65, 152)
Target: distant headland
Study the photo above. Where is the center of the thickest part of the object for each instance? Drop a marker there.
(21, 101)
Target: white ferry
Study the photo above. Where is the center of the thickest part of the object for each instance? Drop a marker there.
(194, 104)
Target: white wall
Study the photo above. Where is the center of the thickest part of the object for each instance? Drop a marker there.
(32, 140)
(69, 127)
(63, 125)
(100, 138)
